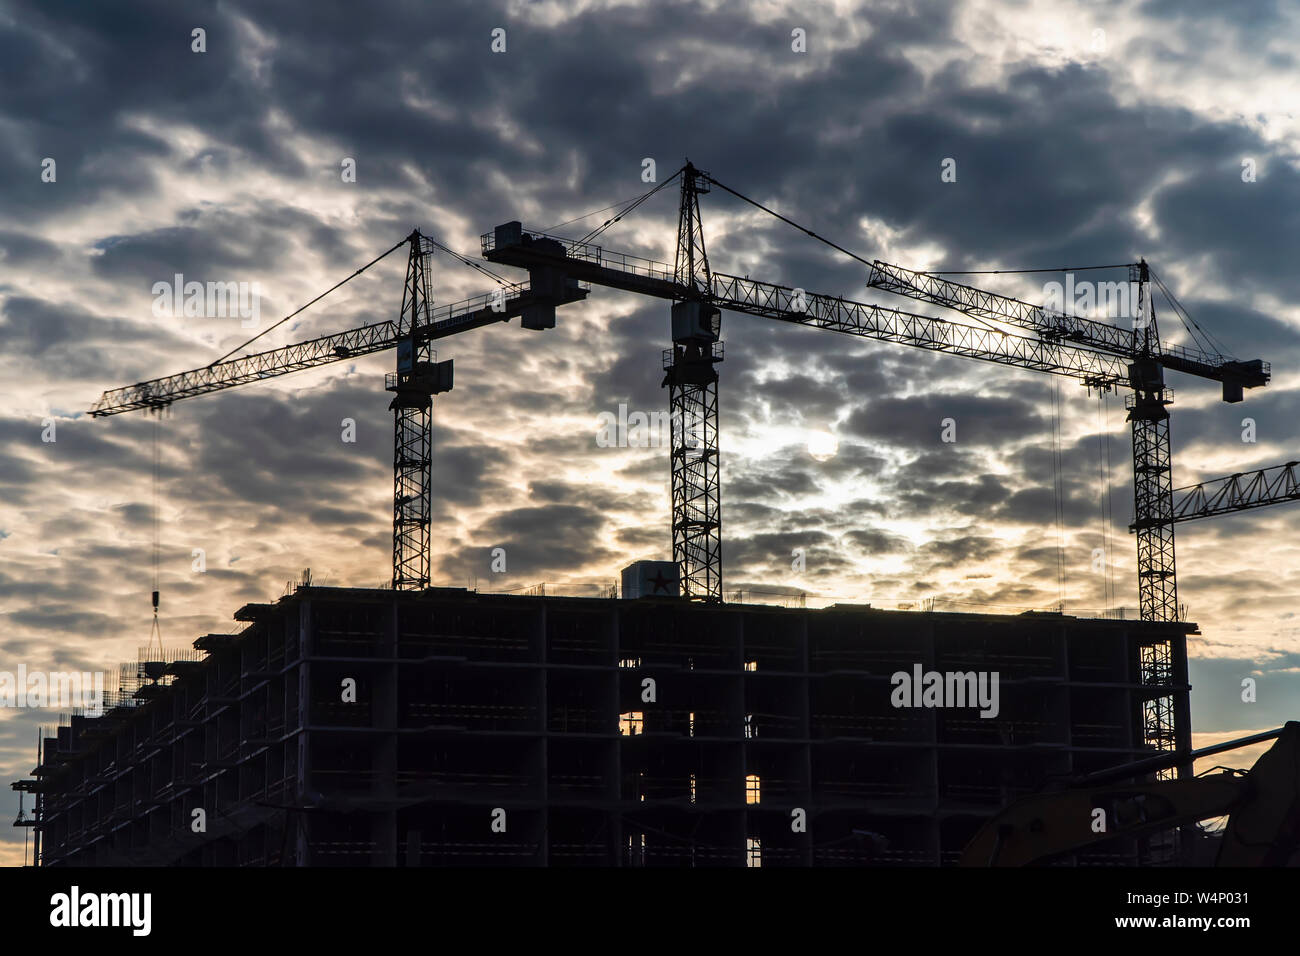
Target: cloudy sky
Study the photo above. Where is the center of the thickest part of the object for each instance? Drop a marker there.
(1081, 133)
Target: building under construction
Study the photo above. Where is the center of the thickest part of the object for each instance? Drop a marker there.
(449, 727)
(427, 725)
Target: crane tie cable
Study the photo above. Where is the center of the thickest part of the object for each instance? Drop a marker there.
(595, 233)
(998, 272)
(465, 260)
(804, 229)
(311, 303)
(1189, 323)
(569, 222)
(789, 222)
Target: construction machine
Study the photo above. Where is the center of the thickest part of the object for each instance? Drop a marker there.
(1262, 805)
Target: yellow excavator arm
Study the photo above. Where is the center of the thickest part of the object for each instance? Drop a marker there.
(1263, 805)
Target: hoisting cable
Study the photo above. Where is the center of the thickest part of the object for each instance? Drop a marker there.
(156, 632)
(1110, 502)
(1103, 480)
(1058, 482)
(311, 303)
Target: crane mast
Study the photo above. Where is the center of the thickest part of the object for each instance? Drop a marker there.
(418, 378)
(691, 377)
(1153, 503)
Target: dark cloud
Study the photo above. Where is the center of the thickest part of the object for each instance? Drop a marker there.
(876, 541)
(538, 542)
(919, 422)
(61, 620)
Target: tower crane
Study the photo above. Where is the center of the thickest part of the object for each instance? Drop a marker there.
(418, 377)
(1154, 511)
(1095, 353)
